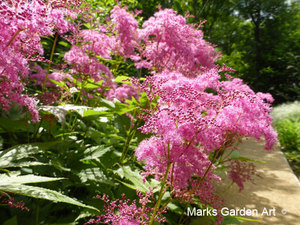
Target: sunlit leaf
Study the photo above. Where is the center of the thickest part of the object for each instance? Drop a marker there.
(41, 193)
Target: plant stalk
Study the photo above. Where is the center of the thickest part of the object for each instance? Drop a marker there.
(51, 59)
(161, 194)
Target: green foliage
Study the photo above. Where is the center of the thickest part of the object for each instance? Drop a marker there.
(287, 123)
(286, 119)
(82, 148)
(289, 134)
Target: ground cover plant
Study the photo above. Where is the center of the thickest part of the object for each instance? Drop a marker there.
(118, 120)
(287, 123)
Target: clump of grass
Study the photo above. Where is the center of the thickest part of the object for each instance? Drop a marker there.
(286, 111)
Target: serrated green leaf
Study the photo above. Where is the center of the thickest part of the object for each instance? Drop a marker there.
(42, 193)
(94, 174)
(136, 179)
(11, 155)
(96, 152)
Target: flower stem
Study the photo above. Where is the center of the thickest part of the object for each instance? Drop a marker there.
(13, 38)
(51, 59)
(161, 194)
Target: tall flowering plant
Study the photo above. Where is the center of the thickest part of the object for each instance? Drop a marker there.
(190, 112)
(195, 110)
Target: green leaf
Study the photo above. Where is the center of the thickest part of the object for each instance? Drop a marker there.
(25, 164)
(84, 214)
(93, 85)
(94, 174)
(136, 179)
(230, 220)
(247, 219)
(121, 108)
(123, 80)
(108, 103)
(249, 160)
(42, 193)
(235, 154)
(11, 221)
(174, 208)
(96, 152)
(95, 112)
(12, 125)
(25, 179)
(62, 110)
(65, 44)
(9, 156)
(59, 83)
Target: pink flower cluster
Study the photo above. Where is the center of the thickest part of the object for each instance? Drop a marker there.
(10, 202)
(122, 212)
(125, 27)
(195, 117)
(92, 44)
(171, 44)
(22, 23)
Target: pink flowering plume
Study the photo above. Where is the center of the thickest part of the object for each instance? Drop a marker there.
(126, 37)
(22, 23)
(193, 118)
(122, 212)
(172, 44)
